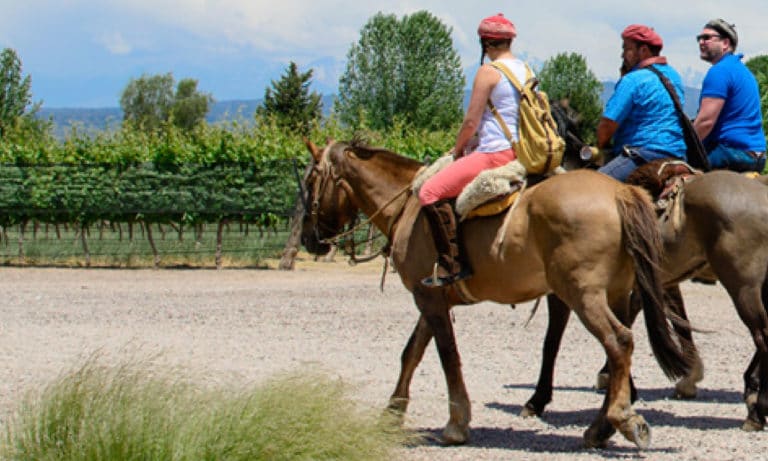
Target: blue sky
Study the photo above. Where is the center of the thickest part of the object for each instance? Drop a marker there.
(82, 53)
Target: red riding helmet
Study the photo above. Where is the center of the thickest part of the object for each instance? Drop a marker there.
(496, 27)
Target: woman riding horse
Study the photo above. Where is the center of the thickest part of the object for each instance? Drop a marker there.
(590, 257)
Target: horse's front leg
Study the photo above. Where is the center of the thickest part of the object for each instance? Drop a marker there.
(559, 313)
(409, 360)
(751, 394)
(436, 311)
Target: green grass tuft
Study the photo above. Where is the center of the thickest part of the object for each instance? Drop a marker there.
(138, 411)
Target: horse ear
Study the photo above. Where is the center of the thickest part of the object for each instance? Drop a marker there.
(313, 149)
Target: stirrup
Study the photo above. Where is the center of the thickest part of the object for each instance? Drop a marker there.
(436, 281)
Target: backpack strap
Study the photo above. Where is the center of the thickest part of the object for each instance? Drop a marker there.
(695, 149)
(516, 84)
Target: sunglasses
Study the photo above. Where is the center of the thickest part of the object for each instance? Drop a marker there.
(706, 37)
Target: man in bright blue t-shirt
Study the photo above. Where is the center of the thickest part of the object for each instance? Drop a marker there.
(640, 116)
(729, 122)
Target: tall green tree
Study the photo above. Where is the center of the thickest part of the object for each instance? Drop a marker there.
(146, 101)
(150, 100)
(403, 70)
(189, 106)
(566, 76)
(759, 67)
(290, 101)
(15, 93)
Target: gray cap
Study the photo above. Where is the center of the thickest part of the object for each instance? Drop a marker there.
(724, 28)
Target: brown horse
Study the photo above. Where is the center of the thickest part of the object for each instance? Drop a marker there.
(582, 236)
(724, 231)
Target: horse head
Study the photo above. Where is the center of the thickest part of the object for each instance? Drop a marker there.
(568, 120)
(327, 202)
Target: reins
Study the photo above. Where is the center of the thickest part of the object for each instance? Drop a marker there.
(349, 250)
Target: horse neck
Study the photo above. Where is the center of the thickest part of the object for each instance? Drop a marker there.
(380, 188)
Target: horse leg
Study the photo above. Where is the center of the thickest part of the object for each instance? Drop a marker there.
(559, 313)
(751, 393)
(409, 360)
(436, 312)
(749, 305)
(628, 319)
(616, 411)
(685, 388)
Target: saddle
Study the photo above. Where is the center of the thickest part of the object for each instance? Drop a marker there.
(490, 193)
(665, 180)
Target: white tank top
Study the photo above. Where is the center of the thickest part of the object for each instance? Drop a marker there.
(507, 101)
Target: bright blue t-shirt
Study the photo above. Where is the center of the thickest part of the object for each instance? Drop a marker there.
(740, 124)
(646, 115)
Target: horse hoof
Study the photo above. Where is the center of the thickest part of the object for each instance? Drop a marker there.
(637, 431)
(602, 381)
(528, 412)
(751, 426)
(597, 435)
(455, 435)
(642, 435)
(685, 391)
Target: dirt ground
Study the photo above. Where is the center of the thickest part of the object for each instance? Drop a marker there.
(249, 325)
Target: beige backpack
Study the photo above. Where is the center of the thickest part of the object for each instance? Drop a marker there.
(540, 149)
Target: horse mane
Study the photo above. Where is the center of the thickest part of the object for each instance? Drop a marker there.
(362, 150)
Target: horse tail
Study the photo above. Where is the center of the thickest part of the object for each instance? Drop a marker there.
(643, 242)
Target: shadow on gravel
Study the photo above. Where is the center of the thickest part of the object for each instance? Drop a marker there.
(533, 442)
(705, 395)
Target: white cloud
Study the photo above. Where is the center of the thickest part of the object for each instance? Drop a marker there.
(115, 43)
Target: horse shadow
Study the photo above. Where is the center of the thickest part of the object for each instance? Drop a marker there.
(530, 441)
(653, 416)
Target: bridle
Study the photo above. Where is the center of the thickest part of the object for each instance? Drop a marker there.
(345, 239)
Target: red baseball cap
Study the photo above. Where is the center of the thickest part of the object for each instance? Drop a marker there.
(497, 27)
(642, 34)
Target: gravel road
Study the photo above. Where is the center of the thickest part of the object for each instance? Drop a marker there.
(250, 324)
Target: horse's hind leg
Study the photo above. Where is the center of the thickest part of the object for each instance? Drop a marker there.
(435, 311)
(409, 360)
(756, 382)
(685, 388)
(559, 313)
(616, 411)
(748, 302)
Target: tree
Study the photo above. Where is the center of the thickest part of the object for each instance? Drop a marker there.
(290, 102)
(189, 106)
(759, 67)
(567, 77)
(15, 94)
(149, 101)
(406, 70)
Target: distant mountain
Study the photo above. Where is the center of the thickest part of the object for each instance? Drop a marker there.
(91, 120)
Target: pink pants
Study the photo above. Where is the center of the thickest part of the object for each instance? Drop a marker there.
(449, 182)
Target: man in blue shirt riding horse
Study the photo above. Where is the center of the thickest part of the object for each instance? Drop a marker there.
(730, 121)
(640, 116)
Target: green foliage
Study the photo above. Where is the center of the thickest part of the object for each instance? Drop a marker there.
(146, 101)
(142, 411)
(567, 77)
(149, 102)
(17, 113)
(405, 70)
(290, 103)
(189, 106)
(759, 67)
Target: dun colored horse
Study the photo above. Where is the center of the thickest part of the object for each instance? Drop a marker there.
(724, 231)
(582, 236)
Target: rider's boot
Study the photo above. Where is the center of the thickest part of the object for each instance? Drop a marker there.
(451, 265)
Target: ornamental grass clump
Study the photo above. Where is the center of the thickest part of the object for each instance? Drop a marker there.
(140, 411)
